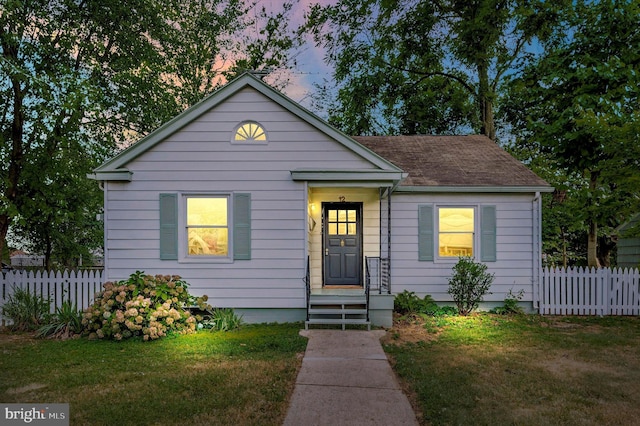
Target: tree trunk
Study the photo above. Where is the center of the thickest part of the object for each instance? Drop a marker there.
(485, 103)
(592, 240)
(16, 156)
(4, 228)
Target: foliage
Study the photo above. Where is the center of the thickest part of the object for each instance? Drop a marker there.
(143, 305)
(468, 284)
(27, 311)
(510, 304)
(577, 106)
(64, 323)
(222, 319)
(80, 80)
(423, 67)
(408, 303)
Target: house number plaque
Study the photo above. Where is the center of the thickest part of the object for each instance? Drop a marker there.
(341, 198)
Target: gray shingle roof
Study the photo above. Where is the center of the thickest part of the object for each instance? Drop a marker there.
(473, 160)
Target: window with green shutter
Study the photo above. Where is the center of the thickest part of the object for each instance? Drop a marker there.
(214, 226)
(449, 232)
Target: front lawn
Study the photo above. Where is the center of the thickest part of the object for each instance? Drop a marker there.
(488, 369)
(239, 377)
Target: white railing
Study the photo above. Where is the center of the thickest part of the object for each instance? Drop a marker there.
(578, 291)
(57, 286)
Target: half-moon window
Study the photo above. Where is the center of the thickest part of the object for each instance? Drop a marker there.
(250, 131)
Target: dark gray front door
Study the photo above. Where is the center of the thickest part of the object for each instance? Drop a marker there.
(342, 243)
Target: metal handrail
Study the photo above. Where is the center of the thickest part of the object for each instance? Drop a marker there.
(307, 283)
(367, 284)
(377, 274)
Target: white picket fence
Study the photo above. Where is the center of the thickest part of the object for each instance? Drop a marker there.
(578, 291)
(57, 286)
(571, 291)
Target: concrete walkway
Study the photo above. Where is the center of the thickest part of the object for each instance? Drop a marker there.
(346, 379)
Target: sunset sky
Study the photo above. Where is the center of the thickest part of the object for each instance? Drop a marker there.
(310, 65)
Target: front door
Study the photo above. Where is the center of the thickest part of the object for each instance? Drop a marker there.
(342, 243)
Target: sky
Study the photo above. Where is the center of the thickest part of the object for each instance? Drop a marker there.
(311, 67)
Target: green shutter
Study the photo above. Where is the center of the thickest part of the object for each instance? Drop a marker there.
(425, 233)
(488, 234)
(169, 226)
(242, 226)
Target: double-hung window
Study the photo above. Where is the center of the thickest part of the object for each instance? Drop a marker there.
(456, 231)
(202, 227)
(207, 225)
(449, 232)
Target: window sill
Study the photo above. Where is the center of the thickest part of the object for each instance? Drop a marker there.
(206, 260)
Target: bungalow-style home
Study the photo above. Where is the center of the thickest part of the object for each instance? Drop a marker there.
(269, 210)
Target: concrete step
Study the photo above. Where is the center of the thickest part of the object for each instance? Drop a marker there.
(337, 321)
(337, 311)
(327, 300)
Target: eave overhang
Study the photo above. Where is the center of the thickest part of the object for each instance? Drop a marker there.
(119, 175)
(477, 189)
(373, 178)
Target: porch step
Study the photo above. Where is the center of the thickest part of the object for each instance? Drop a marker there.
(352, 321)
(337, 300)
(349, 309)
(337, 311)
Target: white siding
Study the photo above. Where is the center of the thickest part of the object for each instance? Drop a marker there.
(200, 158)
(515, 259)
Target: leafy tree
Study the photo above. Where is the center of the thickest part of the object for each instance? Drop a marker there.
(577, 106)
(81, 79)
(424, 66)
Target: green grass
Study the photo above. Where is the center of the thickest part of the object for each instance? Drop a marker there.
(240, 377)
(525, 370)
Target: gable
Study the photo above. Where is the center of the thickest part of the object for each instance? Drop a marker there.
(247, 98)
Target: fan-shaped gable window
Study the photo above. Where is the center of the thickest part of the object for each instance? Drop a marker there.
(250, 132)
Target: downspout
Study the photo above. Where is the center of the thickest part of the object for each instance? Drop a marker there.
(105, 252)
(537, 248)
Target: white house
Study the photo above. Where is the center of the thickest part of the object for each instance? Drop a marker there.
(268, 209)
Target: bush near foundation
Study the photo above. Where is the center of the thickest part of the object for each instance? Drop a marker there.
(143, 305)
(469, 284)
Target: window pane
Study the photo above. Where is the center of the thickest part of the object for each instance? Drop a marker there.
(342, 229)
(333, 215)
(208, 241)
(342, 215)
(249, 132)
(207, 211)
(351, 228)
(456, 219)
(455, 245)
(333, 229)
(351, 215)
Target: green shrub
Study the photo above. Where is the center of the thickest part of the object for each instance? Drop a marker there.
(65, 322)
(468, 284)
(144, 305)
(222, 319)
(510, 304)
(408, 303)
(27, 311)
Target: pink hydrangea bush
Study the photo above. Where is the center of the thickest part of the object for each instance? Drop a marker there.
(144, 305)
